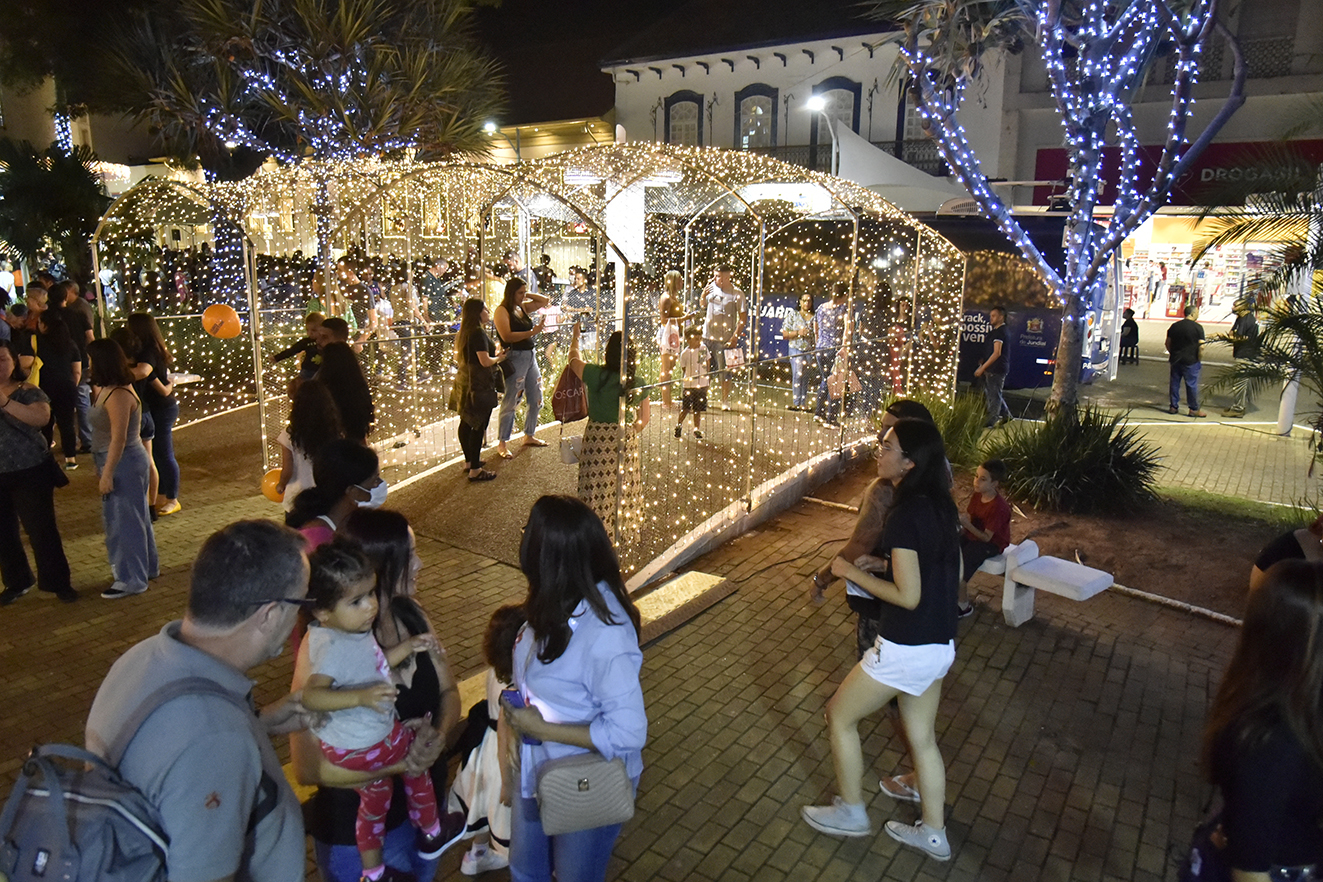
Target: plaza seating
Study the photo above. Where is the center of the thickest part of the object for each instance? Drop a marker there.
(1027, 572)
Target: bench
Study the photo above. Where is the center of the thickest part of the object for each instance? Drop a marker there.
(1027, 572)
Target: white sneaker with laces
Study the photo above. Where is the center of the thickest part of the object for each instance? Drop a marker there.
(928, 840)
(838, 819)
(488, 860)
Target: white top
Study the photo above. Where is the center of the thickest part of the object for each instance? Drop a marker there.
(352, 661)
(302, 478)
(693, 367)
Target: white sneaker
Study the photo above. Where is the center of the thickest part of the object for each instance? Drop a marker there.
(927, 840)
(488, 860)
(838, 819)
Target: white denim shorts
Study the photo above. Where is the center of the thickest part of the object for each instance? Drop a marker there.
(911, 669)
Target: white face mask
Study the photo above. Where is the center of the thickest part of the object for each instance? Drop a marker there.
(376, 495)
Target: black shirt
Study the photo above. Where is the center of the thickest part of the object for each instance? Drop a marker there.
(520, 321)
(1183, 339)
(1273, 802)
(998, 366)
(917, 524)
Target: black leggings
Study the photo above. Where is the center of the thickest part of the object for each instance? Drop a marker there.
(470, 439)
(64, 403)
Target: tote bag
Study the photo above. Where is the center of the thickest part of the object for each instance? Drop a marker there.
(569, 403)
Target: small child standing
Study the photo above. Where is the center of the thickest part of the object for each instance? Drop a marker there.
(987, 526)
(479, 786)
(351, 682)
(306, 346)
(693, 364)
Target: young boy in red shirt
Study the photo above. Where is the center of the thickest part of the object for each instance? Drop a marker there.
(987, 526)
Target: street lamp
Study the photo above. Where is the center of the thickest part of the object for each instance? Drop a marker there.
(491, 128)
(818, 104)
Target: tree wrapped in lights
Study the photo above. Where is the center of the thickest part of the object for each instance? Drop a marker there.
(1097, 56)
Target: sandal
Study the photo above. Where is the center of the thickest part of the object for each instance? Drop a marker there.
(898, 789)
(530, 441)
(505, 454)
(482, 475)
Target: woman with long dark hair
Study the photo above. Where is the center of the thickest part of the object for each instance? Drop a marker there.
(918, 555)
(428, 692)
(343, 376)
(345, 473)
(476, 397)
(122, 466)
(1263, 745)
(609, 470)
(517, 328)
(164, 408)
(313, 421)
(27, 489)
(576, 666)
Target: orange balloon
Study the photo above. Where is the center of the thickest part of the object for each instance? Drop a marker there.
(269, 482)
(220, 320)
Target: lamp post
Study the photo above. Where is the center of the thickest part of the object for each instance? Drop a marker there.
(491, 128)
(818, 104)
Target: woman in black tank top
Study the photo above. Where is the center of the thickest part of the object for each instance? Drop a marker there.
(522, 378)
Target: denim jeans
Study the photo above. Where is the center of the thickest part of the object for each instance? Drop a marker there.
(575, 857)
(130, 541)
(1189, 374)
(526, 380)
(164, 414)
(992, 386)
(826, 408)
(84, 403)
(798, 379)
(341, 863)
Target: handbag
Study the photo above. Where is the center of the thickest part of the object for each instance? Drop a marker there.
(842, 379)
(570, 448)
(583, 791)
(734, 357)
(569, 402)
(1206, 860)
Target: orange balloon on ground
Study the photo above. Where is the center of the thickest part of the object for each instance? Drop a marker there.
(269, 482)
(220, 320)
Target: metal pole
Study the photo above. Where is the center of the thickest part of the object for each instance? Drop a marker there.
(255, 339)
(751, 363)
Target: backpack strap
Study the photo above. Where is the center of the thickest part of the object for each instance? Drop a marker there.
(169, 692)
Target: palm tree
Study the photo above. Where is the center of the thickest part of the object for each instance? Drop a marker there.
(50, 198)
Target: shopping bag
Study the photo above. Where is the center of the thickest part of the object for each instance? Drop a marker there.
(842, 380)
(734, 357)
(569, 403)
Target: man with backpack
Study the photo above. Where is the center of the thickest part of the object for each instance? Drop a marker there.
(203, 759)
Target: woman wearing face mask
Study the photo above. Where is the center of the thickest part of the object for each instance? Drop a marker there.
(347, 477)
(427, 692)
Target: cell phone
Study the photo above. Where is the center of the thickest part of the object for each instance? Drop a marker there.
(516, 700)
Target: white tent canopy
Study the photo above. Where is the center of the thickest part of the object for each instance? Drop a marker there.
(900, 184)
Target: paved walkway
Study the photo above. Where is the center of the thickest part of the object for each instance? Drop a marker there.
(1070, 742)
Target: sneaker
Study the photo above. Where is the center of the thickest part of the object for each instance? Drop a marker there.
(838, 819)
(964, 611)
(1173, 409)
(452, 830)
(1198, 414)
(927, 840)
(9, 595)
(488, 860)
(698, 434)
(119, 589)
(70, 465)
(677, 431)
(896, 788)
(388, 874)
(66, 595)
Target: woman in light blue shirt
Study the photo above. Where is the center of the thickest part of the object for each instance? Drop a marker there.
(576, 664)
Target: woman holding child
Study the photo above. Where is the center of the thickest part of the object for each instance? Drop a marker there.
(918, 555)
(426, 697)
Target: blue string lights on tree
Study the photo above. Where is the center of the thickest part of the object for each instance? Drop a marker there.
(1097, 54)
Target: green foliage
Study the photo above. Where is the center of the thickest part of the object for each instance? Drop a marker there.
(1082, 461)
(961, 424)
(50, 198)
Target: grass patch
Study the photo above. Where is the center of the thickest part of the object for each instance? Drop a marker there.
(1281, 517)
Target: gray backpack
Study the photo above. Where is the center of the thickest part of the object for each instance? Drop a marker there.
(80, 821)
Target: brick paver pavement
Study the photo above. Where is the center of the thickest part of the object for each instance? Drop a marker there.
(1070, 741)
